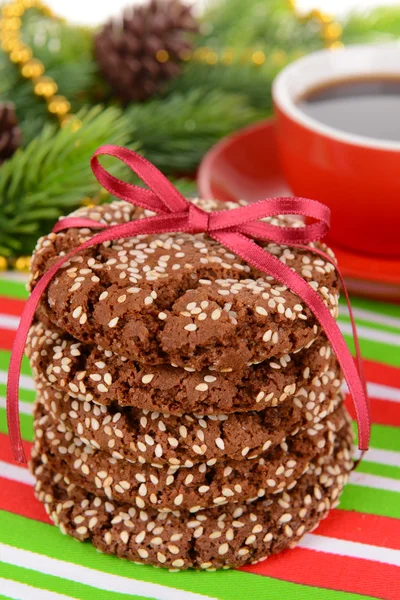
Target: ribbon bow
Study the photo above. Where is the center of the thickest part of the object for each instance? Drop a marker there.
(234, 229)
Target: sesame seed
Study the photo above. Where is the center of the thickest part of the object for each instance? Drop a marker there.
(215, 315)
(219, 442)
(201, 387)
(261, 311)
(162, 316)
(147, 378)
(191, 327)
(113, 322)
(223, 549)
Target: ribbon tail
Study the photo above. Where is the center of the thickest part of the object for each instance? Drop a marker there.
(266, 262)
(158, 224)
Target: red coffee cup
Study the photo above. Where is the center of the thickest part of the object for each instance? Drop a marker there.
(357, 177)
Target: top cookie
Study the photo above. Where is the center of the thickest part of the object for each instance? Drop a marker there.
(179, 299)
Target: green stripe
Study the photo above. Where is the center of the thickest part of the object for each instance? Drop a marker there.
(25, 395)
(226, 585)
(5, 361)
(376, 351)
(13, 289)
(26, 425)
(383, 437)
(384, 308)
(60, 586)
(371, 500)
(379, 469)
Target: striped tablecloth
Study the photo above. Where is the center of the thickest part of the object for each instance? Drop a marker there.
(354, 554)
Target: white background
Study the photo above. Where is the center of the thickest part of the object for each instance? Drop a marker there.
(97, 11)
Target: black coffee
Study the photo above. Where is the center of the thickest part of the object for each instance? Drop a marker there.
(364, 106)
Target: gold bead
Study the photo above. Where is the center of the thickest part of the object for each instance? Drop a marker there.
(12, 10)
(162, 56)
(32, 69)
(228, 56)
(3, 263)
(23, 263)
(86, 201)
(72, 122)
(332, 31)
(46, 87)
(59, 106)
(21, 55)
(11, 24)
(258, 58)
(200, 54)
(211, 57)
(320, 16)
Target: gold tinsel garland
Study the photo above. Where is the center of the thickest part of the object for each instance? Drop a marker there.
(45, 87)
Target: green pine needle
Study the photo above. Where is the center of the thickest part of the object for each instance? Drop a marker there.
(52, 174)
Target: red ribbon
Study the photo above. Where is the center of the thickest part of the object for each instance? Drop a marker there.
(233, 229)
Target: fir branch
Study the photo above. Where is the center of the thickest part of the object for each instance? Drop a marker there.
(51, 175)
(178, 130)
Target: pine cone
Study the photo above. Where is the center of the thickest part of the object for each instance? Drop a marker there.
(140, 54)
(10, 133)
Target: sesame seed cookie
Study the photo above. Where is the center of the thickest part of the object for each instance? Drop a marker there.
(90, 373)
(195, 488)
(220, 537)
(150, 436)
(179, 298)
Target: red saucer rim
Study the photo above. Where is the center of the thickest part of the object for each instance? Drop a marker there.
(346, 257)
(203, 181)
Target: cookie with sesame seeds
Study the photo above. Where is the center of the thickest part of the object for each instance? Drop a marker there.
(220, 537)
(150, 436)
(179, 298)
(90, 373)
(191, 487)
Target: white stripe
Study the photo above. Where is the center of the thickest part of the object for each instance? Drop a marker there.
(383, 457)
(9, 322)
(26, 382)
(380, 391)
(15, 473)
(375, 481)
(22, 591)
(25, 408)
(372, 317)
(373, 335)
(325, 544)
(88, 576)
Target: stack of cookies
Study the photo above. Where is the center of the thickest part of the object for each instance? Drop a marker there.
(189, 411)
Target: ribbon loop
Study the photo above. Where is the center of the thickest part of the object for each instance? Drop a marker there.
(234, 229)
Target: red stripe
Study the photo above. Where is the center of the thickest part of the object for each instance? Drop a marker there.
(18, 498)
(361, 527)
(11, 306)
(379, 373)
(6, 338)
(6, 454)
(383, 412)
(323, 570)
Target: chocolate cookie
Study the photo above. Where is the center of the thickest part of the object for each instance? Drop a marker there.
(179, 299)
(193, 488)
(220, 537)
(145, 436)
(90, 373)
